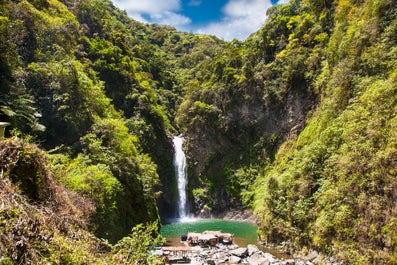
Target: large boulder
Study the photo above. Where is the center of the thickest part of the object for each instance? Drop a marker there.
(239, 252)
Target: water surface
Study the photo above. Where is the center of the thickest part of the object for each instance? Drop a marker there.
(244, 233)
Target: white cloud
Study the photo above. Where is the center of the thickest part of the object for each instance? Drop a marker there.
(155, 11)
(137, 16)
(241, 18)
(148, 6)
(170, 18)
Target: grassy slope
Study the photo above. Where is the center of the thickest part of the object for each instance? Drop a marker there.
(41, 221)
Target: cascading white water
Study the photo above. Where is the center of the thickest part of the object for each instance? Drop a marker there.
(181, 175)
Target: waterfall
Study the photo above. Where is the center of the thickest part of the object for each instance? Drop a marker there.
(181, 175)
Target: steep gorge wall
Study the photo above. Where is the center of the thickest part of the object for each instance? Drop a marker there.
(252, 134)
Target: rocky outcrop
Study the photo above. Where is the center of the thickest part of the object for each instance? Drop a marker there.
(239, 215)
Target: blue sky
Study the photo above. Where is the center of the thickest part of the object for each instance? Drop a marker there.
(227, 19)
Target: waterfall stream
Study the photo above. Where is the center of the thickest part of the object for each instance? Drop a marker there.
(181, 175)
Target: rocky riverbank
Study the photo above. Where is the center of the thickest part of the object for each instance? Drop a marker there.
(250, 255)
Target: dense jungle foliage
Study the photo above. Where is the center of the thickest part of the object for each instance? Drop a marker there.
(332, 187)
(42, 222)
(298, 123)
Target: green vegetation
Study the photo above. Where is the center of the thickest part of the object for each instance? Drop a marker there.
(111, 172)
(330, 187)
(41, 222)
(298, 122)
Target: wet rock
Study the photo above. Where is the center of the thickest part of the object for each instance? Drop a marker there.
(239, 252)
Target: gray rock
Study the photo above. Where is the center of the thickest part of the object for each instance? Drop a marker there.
(252, 249)
(258, 259)
(239, 252)
(234, 260)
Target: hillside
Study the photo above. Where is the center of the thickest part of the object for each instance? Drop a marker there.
(297, 123)
(41, 222)
(332, 186)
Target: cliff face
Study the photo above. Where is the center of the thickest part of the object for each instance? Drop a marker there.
(249, 133)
